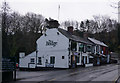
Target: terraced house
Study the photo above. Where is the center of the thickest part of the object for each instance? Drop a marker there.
(59, 48)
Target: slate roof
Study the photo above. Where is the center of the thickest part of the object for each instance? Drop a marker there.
(74, 37)
(97, 42)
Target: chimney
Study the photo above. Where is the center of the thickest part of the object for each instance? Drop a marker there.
(53, 24)
(85, 35)
(70, 29)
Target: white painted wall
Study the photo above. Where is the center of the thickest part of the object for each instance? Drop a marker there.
(59, 62)
(88, 65)
(46, 51)
(23, 61)
(61, 48)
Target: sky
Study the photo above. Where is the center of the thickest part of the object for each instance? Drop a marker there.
(69, 9)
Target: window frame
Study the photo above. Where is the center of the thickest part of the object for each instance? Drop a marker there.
(77, 59)
(32, 60)
(40, 60)
(52, 60)
(63, 57)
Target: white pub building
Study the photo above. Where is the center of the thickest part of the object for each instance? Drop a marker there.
(59, 48)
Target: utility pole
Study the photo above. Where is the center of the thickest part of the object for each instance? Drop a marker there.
(58, 11)
(119, 11)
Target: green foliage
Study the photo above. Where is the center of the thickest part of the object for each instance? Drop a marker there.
(24, 31)
(19, 42)
(110, 38)
(19, 32)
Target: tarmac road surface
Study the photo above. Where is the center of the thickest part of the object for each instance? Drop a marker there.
(105, 73)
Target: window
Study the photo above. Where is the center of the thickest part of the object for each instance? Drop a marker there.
(39, 61)
(52, 60)
(81, 47)
(77, 59)
(32, 60)
(62, 57)
(46, 61)
(84, 48)
(57, 33)
(45, 34)
(93, 49)
(88, 48)
(73, 46)
(97, 49)
(90, 60)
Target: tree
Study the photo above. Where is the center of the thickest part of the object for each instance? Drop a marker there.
(104, 23)
(92, 26)
(82, 26)
(5, 10)
(15, 22)
(77, 25)
(65, 24)
(4, 16)
(33, 23)
(68, 23)
(87, 24)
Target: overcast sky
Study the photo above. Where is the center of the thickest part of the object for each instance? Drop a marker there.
(69, 9)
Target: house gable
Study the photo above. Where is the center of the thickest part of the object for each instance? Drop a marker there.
(52, 40)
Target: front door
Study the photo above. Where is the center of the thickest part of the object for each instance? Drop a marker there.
(52, 61)
(84, 60)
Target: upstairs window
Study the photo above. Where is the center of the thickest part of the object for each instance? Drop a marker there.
(81, 47)
(92, 49)
(45, 34)
(62, 57)
(57, 33)
(88, 48)
(73, 46)
(97, 49)
(85, 48)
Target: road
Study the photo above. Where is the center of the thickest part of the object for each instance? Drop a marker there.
(102, 73)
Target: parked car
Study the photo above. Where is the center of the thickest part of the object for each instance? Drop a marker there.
(17, 65)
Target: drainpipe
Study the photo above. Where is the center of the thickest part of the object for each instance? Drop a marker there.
(77, 46)
(82, 62)
(87, 59)
(95, 49)
(99, 49)
(69, 62)
(84, 59)
(36, 58)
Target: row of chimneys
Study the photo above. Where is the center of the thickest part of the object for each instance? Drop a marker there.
(55, 24)
(70, 30)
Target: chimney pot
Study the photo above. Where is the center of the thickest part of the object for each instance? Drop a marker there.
(70, 29)
(85, 35)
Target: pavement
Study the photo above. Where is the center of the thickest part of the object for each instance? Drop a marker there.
(100, 74)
